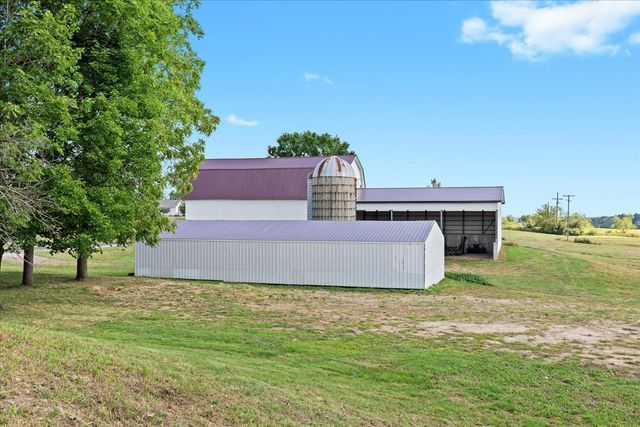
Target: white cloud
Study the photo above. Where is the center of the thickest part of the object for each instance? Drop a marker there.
(534, 30)
(313, 76)
(634, 38)
(237, 121)
(475, 30)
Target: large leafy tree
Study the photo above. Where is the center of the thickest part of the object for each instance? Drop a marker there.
(139, 123)
(22, 198)
(308, 143)
(38, 78)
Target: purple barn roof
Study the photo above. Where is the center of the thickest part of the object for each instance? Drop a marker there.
(300, 231)
(282, 178)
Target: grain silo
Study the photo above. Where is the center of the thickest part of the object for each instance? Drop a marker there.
(333, 191)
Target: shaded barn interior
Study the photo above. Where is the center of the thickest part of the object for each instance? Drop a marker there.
(479, 227)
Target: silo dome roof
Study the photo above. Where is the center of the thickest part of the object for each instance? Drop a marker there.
(333, 166)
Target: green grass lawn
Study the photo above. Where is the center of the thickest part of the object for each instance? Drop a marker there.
(553, 339)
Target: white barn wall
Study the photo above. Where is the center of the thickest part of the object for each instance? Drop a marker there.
(355, 264)
(246, 209)
(434, 257)
(498, 243)
(398, 206)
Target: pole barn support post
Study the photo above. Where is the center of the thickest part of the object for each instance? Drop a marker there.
(444, 220)
(463, 222)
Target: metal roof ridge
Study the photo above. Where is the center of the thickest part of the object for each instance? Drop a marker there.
(275, 158)
(268, 169)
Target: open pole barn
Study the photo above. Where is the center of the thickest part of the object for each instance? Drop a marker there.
(376, 254)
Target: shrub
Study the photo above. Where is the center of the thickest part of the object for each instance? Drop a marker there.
(578, 225)
(467, 277)
(584, 240)
(509, 222)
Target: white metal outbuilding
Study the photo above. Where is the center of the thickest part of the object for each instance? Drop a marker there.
(378, 254)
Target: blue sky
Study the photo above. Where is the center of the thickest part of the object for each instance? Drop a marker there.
(538, 98)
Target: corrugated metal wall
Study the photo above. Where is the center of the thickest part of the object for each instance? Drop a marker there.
(434, 257)
(356, 264)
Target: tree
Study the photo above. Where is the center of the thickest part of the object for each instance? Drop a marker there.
(435, 183)
(577, 225)
(22, 199)
(308, 144)
(139, 123)
(37, 71)
(544, 220)
(510, 222)
(623, 223)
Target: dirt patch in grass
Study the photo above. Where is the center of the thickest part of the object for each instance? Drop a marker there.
(435, 329)
(612, 344)
(607, 343)
(186, 299)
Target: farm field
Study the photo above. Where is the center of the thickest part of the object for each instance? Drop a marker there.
(611, 232)
(553, 339)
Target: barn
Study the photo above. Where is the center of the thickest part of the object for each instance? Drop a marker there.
(256, 188)
(280, 189)
(376, 254)
(469, 217)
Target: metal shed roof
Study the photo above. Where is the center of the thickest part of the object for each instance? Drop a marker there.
(428, 194)
(316, 231)
(169, 204)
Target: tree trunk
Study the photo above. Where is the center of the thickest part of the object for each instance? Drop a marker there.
(1, 254)
(27, 266)
(82, 270)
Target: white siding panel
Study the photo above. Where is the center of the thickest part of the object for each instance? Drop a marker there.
(434, 257)
(498, 242)
(428, 206)
(246, 209)
(357, 264)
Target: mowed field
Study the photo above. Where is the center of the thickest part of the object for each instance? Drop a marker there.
(554, 339)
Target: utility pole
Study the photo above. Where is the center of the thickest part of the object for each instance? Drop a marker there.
(568, 196)
(557, 199)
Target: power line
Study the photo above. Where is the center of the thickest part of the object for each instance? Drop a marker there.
(568, 196)
(557, 199)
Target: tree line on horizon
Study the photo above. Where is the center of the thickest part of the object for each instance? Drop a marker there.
(613, 220)
(98, 119)
(553, 220)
